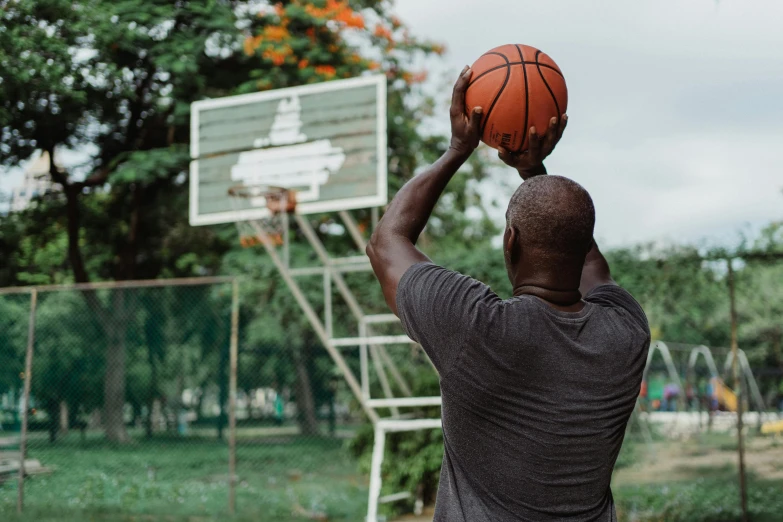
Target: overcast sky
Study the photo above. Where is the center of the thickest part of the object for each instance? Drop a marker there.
(675, 107)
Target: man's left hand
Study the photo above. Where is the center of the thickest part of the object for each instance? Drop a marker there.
(465, 130)
(531, 162)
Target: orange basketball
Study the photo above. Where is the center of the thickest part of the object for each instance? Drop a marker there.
(518, 87)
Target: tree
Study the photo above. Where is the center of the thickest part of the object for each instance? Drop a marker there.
(117, 78)
(114, 78)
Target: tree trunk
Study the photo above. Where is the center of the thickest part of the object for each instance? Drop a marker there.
(222, 419)
(153, 392)
(114, 381)
(64, 420)
(305, 404)
(53, 410)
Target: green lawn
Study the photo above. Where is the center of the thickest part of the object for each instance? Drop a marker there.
(697, 480)
(282, 475)
(175, 479)
(714, 497)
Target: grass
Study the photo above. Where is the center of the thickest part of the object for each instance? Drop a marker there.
(692, 481)
(712, 498)
(176, 479)
(186, 480)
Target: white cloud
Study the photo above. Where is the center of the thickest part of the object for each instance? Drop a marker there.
(675, 112)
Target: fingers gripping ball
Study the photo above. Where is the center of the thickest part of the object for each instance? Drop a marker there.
(518, 87)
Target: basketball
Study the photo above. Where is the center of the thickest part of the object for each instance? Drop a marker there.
(518, 87)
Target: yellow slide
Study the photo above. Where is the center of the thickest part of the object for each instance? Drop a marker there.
(724, 394)
(728, 399)
(772, 427)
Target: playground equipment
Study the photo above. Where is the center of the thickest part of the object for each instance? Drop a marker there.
(720, 391)
(772, 428)
(722, 394)
(674, 376)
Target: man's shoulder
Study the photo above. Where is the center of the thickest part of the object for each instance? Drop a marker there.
(423, 279)
(614, 296)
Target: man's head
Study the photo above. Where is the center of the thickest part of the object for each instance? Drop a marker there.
(549, 230)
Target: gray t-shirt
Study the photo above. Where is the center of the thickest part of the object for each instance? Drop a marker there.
(535, 400)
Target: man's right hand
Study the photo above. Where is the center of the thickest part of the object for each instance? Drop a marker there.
(530, 162)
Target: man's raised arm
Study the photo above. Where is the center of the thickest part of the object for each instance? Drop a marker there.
(392, 247)
(595, 271)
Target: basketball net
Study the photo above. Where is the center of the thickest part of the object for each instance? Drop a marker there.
(280, 202)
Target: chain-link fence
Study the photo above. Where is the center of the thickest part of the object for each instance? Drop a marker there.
(131, 413)
(131, 408)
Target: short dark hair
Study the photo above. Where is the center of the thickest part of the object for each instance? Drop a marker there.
(554, 215)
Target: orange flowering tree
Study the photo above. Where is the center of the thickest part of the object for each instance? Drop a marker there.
(311, 41)
(295, 42)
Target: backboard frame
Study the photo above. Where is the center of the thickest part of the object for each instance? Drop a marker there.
(334, 205)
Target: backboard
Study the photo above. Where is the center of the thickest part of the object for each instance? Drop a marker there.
(325, 141)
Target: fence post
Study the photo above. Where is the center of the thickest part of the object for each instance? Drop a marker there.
(738, 390)
(232, 404)
(28, 365)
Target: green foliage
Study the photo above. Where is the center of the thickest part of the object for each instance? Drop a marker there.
(14, 321)
(685, 299)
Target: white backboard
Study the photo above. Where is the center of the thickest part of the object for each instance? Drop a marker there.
(325, 141)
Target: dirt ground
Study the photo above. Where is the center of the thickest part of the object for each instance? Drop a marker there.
(670, 461)
(424, 517)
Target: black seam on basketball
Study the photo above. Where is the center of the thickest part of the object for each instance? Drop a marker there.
(527, 100)
(492, 106)
(509, 64)
(557, 105)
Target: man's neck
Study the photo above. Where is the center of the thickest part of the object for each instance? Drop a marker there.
(565, 299)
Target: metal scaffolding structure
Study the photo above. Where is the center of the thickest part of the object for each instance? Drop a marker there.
(372, 348)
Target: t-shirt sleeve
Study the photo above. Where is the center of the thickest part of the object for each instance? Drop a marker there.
(443, 311)
(616, 297)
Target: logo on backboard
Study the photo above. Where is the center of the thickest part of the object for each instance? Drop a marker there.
(286, 159)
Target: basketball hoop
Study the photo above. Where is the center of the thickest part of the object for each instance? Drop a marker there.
(280, 202)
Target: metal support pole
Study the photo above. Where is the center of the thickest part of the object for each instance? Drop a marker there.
(363, 365)
(379, 369)
(232, 405)
(379, 447)
(286, 234)
(353, 229)
(328, 303)
(28, 368)
(381, 428)
(738, 390)
(307, 308)
(398, 378)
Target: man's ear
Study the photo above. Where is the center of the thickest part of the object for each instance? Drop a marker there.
(511, 245)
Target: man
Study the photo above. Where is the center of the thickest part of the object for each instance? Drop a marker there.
(537, 389)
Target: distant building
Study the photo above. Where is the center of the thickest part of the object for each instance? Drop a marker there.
(36, 181)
